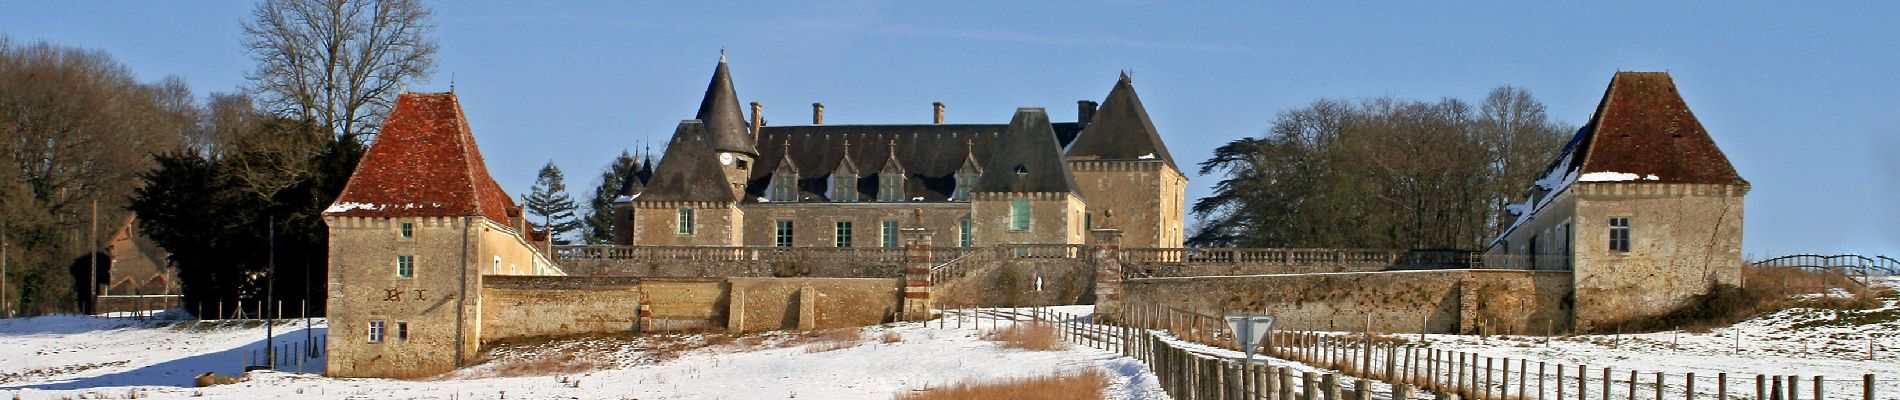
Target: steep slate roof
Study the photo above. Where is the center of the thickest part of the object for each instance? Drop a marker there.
(1643, 127)
(688, 171)
(424, 163)
(720, 111)
(929, 153)
(1121, 130)
(1026, 158)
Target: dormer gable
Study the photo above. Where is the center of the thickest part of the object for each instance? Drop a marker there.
(890, 179)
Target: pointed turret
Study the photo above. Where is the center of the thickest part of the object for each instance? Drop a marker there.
(1644, 132)
(688, 171)
(423, 164)
(1027, 158)
(720, 111)
(1121, 130)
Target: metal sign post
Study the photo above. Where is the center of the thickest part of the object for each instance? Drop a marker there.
(1248, 329)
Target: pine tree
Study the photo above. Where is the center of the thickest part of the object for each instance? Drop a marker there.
(549, 202)
(601, 214)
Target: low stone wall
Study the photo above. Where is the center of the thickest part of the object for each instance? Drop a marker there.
(521, 306)
(527, 306)
(763, 304)
(151, 302)
(1433, 301)
(1014, 283)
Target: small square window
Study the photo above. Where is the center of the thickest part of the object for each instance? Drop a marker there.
(408, 230)
(406, 266)
(402, 331)
(375, 331)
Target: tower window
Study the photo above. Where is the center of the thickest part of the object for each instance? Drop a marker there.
(1019, 214)
(1620, 234)
(406, 266)
(375, 331)
(685, 221)
(408, 230)
(964, 237)
(402, 331)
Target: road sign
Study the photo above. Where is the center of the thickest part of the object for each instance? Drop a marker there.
(1248, 329)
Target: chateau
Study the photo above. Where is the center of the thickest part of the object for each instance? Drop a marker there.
(725, 180)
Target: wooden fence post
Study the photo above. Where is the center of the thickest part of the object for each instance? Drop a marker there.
(1311, 386)
(1688, 387)
(1867, 387)
(1329, 385)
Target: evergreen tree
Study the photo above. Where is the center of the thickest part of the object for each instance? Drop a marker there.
(549, 201)
(601, 214)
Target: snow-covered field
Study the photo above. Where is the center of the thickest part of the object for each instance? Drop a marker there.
(73, 357)
(70, 357)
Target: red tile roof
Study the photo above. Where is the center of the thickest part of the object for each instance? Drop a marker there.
(1643, 127)
(423, 164)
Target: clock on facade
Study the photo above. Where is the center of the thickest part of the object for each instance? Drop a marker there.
(725, 158)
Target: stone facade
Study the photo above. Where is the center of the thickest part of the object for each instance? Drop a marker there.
(386, 324)
(1146, 200)
(817, 225)
(1054, 218)
(710, 224)
(1683, 239)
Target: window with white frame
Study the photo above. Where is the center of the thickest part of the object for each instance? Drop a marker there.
(375, 331)
(407, 230)
(889, 231)
(685, 221)
(1620, 234)
(406, 266)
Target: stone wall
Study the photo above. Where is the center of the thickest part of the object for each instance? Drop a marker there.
(519, 306)
(1013, 283)
(763, 304)
(686, 268)
(1441, 301)
(714, 224)
(1684, 239)
(815, 224)
(1146, 197)
(365, 288)
(1055, 218)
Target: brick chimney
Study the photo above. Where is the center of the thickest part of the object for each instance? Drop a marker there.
(817, 113)
(758, 121)
(1084, 111)
(938, 119)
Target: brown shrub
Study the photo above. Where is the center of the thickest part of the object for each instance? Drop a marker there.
(1034, 336)
(892, 337)
(1088, 384)
(719, 339)
(551, 364)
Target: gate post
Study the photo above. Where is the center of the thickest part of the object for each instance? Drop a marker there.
(1105, 259)
(917, 285)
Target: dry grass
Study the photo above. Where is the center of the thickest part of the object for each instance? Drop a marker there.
(1088, 384)
(1764, 290)
(1034, 336)
(828, 340)
(892, 337)
(547, 364)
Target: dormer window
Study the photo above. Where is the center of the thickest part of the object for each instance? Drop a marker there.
(784, 188)
(890, 187)
(844, 188)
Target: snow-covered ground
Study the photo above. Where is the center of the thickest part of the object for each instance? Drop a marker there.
(61, 357)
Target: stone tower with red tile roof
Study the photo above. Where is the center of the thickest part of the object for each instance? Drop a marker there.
(414, 231)
(1641, 205)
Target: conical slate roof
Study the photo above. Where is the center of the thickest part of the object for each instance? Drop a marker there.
(724, 120)
(1121, 130)
(1644, 128)
(688, 171)
(424, 164)
(1027, 158)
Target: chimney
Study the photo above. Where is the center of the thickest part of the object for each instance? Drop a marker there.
(938, 119)
(1084, 111)
(817, 113)
(758, 121)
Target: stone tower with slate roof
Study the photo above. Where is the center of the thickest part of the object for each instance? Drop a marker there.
(1641, 205)
(1030, 181)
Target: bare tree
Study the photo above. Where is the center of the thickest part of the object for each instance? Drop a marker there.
(338, 63)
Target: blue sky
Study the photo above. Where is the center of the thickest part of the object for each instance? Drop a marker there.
(1803, 97)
